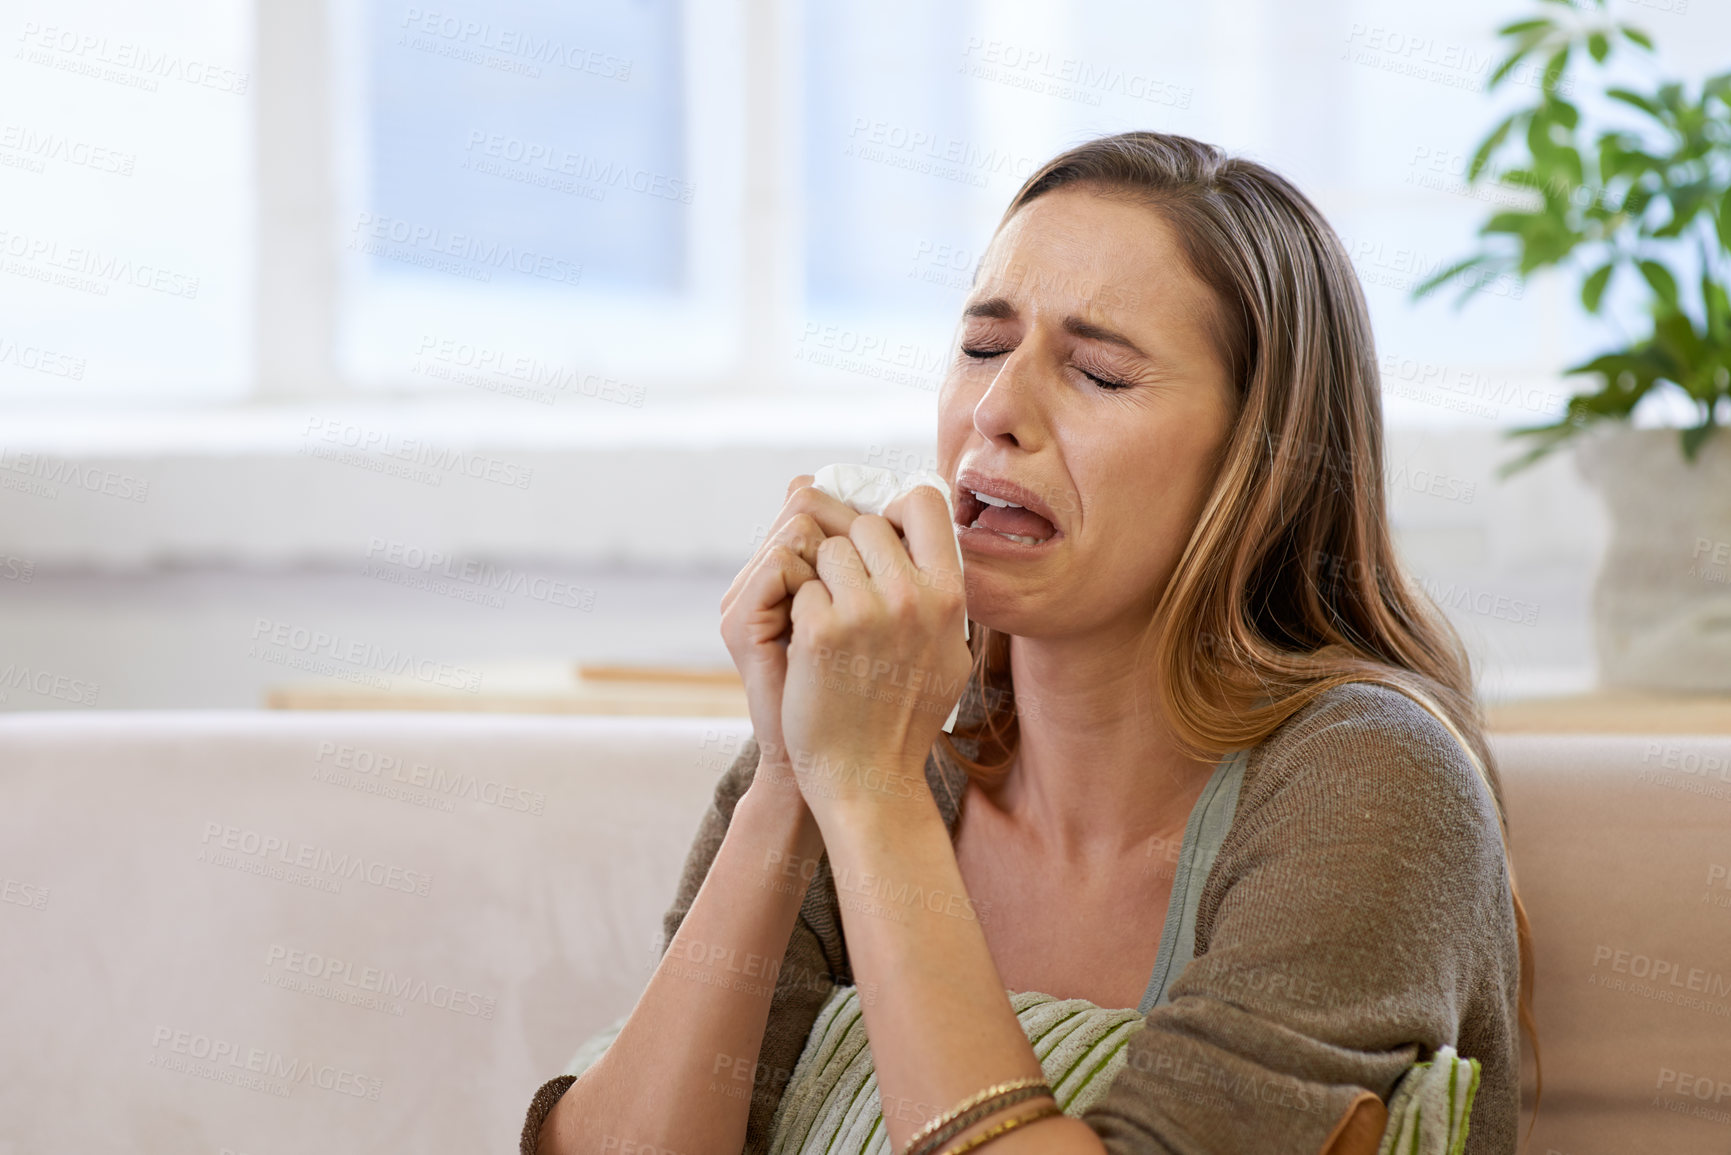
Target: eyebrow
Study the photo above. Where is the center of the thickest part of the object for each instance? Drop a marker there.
(1000, 309)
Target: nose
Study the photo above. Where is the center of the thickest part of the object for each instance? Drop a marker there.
(1008, 412)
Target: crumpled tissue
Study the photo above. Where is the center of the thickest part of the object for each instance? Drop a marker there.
(869, 489)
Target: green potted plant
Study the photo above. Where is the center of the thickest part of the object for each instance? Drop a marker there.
(1632, 200)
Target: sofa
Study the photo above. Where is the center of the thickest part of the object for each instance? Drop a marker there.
(256, 933)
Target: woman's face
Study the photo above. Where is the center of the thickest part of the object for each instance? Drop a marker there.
(1087, 389)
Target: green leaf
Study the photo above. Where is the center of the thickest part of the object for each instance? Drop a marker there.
(1521, 178)
(1515, 224)
(1593, 288)
(1636, 36)
(1613, 365)
(1430, 284)
(1634, 99)
(1547, 242)
(1676, 345)
(1506, 67)
(1695, 437)
(1554, 69)
(1614, 155)
(1662, 281)
(1549, 437)
(1568, 161)
(1539, 140)
(1489, 145)
(1718, 306)
(1521, 26)
(1725, 219)
(1598, 46)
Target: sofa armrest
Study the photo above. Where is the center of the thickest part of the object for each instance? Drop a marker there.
(1360, 1129)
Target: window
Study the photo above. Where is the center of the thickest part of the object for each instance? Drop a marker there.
(526, 197)
(535, 192)
(126, 180)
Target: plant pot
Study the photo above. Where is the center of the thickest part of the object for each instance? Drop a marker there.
(1662, 598)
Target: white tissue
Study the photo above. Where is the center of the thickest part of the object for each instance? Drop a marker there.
(869, 489)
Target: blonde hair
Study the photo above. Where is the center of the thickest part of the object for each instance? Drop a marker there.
(1289, 584)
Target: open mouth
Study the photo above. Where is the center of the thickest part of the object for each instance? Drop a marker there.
(976, 510)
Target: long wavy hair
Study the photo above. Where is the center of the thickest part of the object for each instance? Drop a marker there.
(1289, 584)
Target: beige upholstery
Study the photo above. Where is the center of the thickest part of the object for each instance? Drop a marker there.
(153, 954)
(1622, 848)
(547, 919)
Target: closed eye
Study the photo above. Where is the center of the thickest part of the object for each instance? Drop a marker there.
(979, 353)
(1103, 382)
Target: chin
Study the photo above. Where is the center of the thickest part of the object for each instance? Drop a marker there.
(992, 604)
(998, 601)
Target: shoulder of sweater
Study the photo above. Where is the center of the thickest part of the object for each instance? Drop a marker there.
(1369, 741)
(1364, 796)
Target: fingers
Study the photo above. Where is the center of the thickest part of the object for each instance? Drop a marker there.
(928, 558)
(801, 534)
(924, 518)
(843, 573)
(833, 515)
(878, 546)
(813, 598)
(763, 605)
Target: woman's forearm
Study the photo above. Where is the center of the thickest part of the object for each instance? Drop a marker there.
(681, 1073)
(941, 1027)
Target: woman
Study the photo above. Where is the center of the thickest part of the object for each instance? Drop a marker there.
(1219, 816)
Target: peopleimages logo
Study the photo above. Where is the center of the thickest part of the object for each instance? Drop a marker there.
(106, 268)
(343, 980)
(36, 359)
(436, 461)
(357, 763)
(373, 234)
(407, 558)
(44, 474)
(37, 148)
(258, 1068)
(122, 61)
(302, 641)
(525, 45)
(48, 684)
(233, 845)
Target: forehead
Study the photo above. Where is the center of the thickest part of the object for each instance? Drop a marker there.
(1103, 256)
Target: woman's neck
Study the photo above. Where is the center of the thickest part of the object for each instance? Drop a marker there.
(1097, 770)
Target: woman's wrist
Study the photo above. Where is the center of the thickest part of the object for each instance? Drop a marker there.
(864, 790)
(772, 814)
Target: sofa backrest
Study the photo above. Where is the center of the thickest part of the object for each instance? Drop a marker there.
(1622, 854)
(267, 933)
(263, 933)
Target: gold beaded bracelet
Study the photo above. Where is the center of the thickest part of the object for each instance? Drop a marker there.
(933, 1135)
(1043, 1111)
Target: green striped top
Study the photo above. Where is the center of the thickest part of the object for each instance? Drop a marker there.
(831, 1106)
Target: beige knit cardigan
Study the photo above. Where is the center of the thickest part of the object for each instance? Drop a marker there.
(1357, 918)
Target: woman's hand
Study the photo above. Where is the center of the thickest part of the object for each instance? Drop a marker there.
(877, 659)
(756, 618)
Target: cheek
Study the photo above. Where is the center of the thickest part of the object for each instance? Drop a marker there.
(1145, 495)
(956, 401)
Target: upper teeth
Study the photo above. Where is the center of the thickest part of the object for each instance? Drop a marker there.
(997, 501)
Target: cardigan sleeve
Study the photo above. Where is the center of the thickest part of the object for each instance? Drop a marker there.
(1357, 918)
(815, 956)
